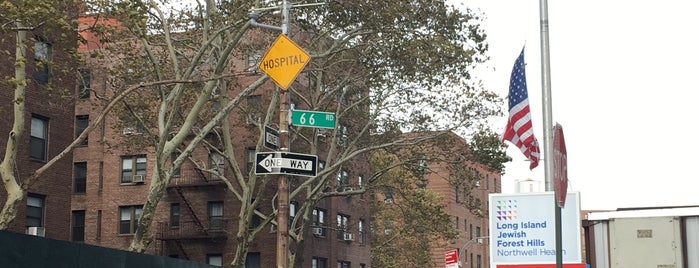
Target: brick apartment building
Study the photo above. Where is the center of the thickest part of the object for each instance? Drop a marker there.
(95, 195)
(197, 217)
(48, 124)
(465, 186)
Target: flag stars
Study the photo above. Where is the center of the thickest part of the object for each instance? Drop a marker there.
(519, 128)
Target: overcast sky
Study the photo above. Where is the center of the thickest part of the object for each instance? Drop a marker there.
(623, 82)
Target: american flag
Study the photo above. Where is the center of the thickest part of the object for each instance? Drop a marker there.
(519, 128)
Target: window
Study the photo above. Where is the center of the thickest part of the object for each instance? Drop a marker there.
(388, 227)
(360, 184)
(99, 225)
(457, 222)
(477, 179)
(319, 262)
(342, 135)
(42, 55)
(81, 122)
(318, 220)
(35, 210)
(174, 214)
(292, 211)
(478, 261)
(343, 98)
(41, 50)
(342, 226)
(131, 171)
(132, 129)
(343, 264)
(253, 60)
(84, 84)
(478, 232)
(470, 231)
(38, 138)
(252, 260)
(128, 218)
(214, 259)
(342, 180)
(360, 231)
(456, 193)
(78, 226)
(321, 133)
(254, 105)
(421, 165)
(465, 194)
(216, 215)
(362, 265)
(388, 195)
(79, 177)
(217, 165)
(100, 176)
(250, 163)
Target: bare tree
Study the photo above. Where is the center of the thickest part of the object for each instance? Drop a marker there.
(26, 22)
(383, 68)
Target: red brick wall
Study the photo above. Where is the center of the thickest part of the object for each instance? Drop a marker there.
(489, 183)
(56, 105)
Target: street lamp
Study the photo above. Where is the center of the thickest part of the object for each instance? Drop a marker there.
(475, 239)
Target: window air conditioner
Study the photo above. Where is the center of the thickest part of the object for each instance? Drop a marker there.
(318, 231)
(480, 240)
(347, 189)
(349, 237)
(38, 231)
(137, 178)
(128, 131)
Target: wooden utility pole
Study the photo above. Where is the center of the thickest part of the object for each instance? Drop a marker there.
(284, 140)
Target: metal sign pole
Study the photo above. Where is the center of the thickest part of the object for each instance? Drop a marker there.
(548, 123)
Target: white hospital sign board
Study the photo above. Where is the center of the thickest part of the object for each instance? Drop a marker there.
(522, 229)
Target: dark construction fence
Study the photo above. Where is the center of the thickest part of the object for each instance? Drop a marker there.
(20, 250)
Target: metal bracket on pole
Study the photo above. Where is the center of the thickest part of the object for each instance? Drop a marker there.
(253, 22)
(285, 7)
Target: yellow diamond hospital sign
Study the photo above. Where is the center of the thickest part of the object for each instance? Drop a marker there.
(284, 61)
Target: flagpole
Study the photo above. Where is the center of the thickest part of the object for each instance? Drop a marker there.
(548, 123)
(546, 94)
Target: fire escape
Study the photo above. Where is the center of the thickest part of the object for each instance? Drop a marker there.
(195, 223)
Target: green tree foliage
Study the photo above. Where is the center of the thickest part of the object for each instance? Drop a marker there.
(416, 57)
(409, 221)
(488, 149)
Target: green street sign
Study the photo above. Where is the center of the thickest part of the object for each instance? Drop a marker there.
(312, 119)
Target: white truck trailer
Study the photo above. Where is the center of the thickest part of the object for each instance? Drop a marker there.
(666, 237)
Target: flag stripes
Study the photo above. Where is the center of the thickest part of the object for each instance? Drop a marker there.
(519, 130)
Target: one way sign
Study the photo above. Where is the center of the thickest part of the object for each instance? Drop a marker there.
(286, 163)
